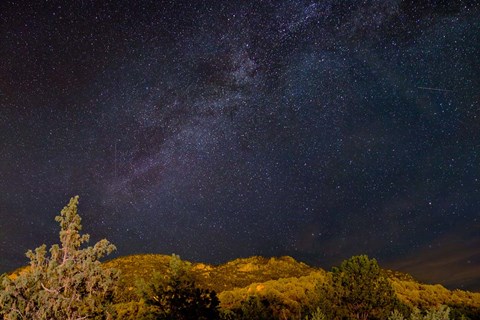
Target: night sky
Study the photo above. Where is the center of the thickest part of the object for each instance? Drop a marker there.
(223, 129)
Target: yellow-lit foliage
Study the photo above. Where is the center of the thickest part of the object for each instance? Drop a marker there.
(238, 273)
(284, 278)
(428, 296)
(295, 294)
(281, 279)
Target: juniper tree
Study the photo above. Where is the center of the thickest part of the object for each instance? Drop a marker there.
(358, 290)
(66, 283)
(177, 297)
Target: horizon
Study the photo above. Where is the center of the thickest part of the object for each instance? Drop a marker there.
(313, 129)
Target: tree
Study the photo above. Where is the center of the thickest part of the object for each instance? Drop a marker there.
(440, 313)
(178, 298)
(357, 290)
(396, 315)
(70, 283)
(260, 308)
(317, 314)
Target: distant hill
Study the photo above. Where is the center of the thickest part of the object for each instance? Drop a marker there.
(454, 258)
(285, 278)
(238, 273)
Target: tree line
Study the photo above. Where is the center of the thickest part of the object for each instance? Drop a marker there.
(69, 282)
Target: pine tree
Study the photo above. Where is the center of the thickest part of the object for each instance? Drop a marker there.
(358, 290)
(178, 298)
(67, 284)
(440, 313)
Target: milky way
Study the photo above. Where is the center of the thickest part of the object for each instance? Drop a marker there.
(216, 129)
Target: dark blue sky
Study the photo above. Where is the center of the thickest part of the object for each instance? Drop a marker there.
(217, 129)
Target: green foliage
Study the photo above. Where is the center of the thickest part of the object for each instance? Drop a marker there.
(255, 308)
(464, 312)
(291, 296)
(260, 308)
(357, 290)
(317, 314)
(177, 297)
(440, 313)
(70, 283)
(136, 269)
(396, 315)
(275, 282)
(135, 310)
(425, 296)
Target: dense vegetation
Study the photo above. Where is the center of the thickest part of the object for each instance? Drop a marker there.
(71, 283)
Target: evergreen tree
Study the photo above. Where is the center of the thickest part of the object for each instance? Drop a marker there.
(69, 283)
(317, 314)
(396, 315)
(178, 298)
(358, 290)
(259, 308)
(440, 313)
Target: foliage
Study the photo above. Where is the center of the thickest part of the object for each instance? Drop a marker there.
(425, 296)
(274, 280)
(290, 295)
(357, 290)
(137, 268)
(396, 315)
(177, 297)
(240, 273)
(317, 314)
(135, 310)
(257, 308)
(70, 283)
(440, 313)
(464, 312)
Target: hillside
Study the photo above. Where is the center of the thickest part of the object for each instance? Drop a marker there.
(238, 273)
(291, 286)
(287, 280)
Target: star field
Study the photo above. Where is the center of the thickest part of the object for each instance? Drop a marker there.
(217, 129)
